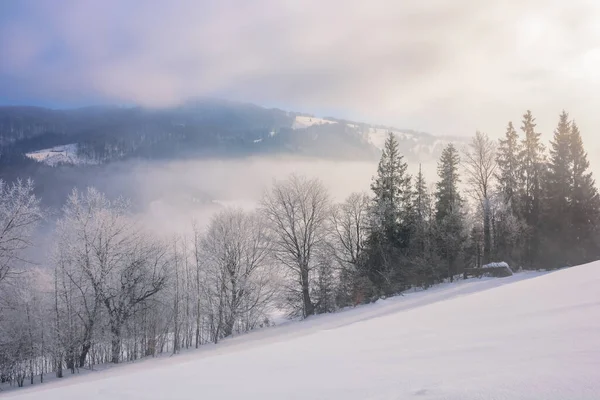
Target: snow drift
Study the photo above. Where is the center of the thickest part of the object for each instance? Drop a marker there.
(528, 336)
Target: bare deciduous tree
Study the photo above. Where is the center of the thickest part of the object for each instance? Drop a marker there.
(480, 166)
(350, 223)
(139, 274)
(19, 215)
(297, 210)
(198, 282)
(235, 249)
(122, 264)
(349, 234)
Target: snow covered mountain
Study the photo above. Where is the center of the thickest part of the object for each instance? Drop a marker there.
(533, 335)
(416, 146)
(202, 128)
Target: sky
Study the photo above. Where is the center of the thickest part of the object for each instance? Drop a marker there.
(445, 67)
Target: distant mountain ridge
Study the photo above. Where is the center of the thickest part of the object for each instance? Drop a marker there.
(198, 128)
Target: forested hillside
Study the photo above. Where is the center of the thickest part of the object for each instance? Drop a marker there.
(62, 149)
(200, 128)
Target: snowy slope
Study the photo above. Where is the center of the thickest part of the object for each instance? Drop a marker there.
(65, 154)
(422, 146)
(302, 122)
(377, 136)
(529, 336)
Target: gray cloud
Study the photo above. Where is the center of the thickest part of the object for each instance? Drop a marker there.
(442, 66)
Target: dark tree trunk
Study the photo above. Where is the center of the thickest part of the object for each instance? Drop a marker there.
(115, 342)
(451, 268)
(228, 327)
(487, 233)
(309, 308)
(70, 360)
(230, 317)
(151, 346)
(85, 349)
(151, 343)
(59, 367)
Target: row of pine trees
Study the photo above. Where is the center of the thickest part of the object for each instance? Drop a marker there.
(511, 200)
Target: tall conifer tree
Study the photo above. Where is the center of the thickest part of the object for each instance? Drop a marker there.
(557, 227)
(532, 172)
(507, 174)
(385, 256)
(585, 202)
(507, 223)
(421, 235)
(449, 215)
(390, 188)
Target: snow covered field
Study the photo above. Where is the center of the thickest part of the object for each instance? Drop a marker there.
(66, 154)
(529, 336)
(378, 136)
(302, 122)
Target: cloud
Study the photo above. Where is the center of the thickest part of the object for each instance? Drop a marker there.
(442, 66)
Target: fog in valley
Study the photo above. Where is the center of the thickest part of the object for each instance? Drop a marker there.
(169, 195)
(173, 194)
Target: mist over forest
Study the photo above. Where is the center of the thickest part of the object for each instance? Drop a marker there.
(133, 254)
(177, 164)
(318, 199)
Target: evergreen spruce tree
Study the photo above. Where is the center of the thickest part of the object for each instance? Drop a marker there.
(531, 173)
(421, 244)
(447, 195)
(385, 263)
(585, 202)
(507, 223)
(422, 212)
(449, 216)
(557, 230)
(407, 213)
(507, 173)
(390, 189)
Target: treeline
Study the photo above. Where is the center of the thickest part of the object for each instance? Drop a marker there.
(111, 291)
(509, 201)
